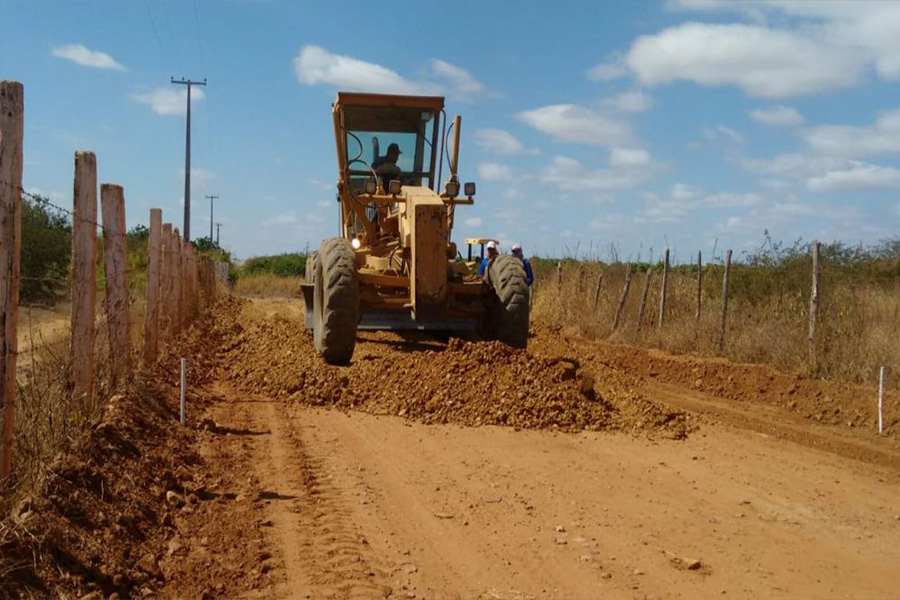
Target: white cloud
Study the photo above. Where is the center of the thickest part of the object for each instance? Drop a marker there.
(568, 174)
(168, 101)
(764, 62)
(609, 222)
(628, 157)
(826, 173)
(461, 83)
(634, 101)
(499, 141)
(882, 137)
(607, 71)
(490, 171)
(80, 55)
(859, 176)
(721, 131)
(200, 177)
(778, 116)
(577, 124)
(315, 65)
(473, 222)
(682, 192)
(285, 218)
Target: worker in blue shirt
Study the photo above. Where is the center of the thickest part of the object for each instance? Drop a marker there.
(517, 252)
(491, 253)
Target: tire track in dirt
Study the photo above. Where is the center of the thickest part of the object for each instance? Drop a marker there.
(323, 553)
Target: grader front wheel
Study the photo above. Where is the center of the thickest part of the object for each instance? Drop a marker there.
(335, 301)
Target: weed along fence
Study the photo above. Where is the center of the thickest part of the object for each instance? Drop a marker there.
(826, 310)
(57, 365)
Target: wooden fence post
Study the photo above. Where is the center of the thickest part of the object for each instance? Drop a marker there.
(699, 283)
(597, 290)
(724, 301)
(165, 283)
(814, 308)
(559, 276)
(84, 276)
(662, 295)
(622, 297)
(177, 283)
(151, 321)
(115, 254)
(12, 100)
(582, 280)
(644, 298)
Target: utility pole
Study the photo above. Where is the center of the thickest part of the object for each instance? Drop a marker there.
(186, 231)
(211, 199)
(218, 227)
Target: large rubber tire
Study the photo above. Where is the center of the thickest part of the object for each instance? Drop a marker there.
(311, 266)
(335, 301)
(507, 312)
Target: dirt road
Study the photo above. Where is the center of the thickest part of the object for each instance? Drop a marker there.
(336, 503)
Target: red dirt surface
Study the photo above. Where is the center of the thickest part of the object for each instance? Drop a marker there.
(576, 490)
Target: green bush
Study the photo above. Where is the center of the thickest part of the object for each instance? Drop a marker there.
(282, 265)
(46, 253)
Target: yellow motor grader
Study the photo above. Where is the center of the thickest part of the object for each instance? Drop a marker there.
(394, 265)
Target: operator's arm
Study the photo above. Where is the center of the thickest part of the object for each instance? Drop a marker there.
(529, 276)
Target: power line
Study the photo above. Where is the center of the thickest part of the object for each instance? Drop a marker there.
(187, 157)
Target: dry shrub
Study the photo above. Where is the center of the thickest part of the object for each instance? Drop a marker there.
(767, 320)
(268, 285)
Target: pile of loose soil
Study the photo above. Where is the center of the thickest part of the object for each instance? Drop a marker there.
(469, 383)
(108, 521)
(826, 402)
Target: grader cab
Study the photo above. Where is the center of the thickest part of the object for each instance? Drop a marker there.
(394, 265)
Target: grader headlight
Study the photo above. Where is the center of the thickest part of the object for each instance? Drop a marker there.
(451, 189)
(470, 188)
(394, 187)
(371, 186)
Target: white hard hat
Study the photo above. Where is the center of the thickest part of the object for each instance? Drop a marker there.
(491, 245)
(516, 247)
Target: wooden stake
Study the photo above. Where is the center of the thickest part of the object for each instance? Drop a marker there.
(724, 301)
(115, 254)
(559, 276)
(662, 295)
(12, 101)
(84, 276)
(814, 309)
(165, 282)
(699, 283)
(151, 321)
(646, 289)
(622, 297)
(177, 283)
(597, 290)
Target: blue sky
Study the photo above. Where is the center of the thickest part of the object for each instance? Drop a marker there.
(688, 124)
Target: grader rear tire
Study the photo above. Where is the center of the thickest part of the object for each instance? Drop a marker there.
(335, 301)
(508, 313)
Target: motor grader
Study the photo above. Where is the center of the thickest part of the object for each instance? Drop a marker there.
(394, 265)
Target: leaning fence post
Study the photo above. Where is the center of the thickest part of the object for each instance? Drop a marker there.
(115, 253)
(12, 100)
(84, 276)
(646, 289)
(597, 290)
(622, 297)
(814, 308)
(151, 321)
(559, 276)
(699, 283)
(724, 300)
(662, 295)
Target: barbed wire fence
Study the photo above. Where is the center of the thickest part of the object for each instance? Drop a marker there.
(60, 363)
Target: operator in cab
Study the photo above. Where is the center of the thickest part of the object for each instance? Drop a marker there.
(386, 166)
(491, 254)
